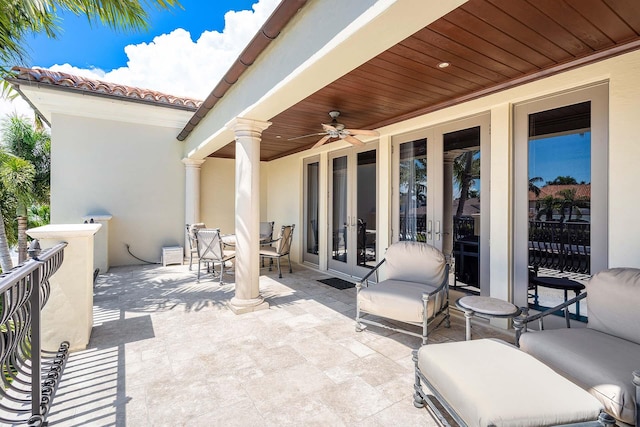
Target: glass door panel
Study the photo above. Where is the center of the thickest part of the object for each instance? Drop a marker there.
(559, 151)
(352, 211)
(312, 211)
(462, 157)
(412, 191)
(340, 220)
(561, 192)
(366, 205)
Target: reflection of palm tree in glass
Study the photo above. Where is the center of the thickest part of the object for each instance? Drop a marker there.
(533, 188)
(466, 169)
(413, 193)
(570, 201)
(548, 205)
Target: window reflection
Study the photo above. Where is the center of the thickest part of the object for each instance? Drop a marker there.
(559, 153)
(413, 190)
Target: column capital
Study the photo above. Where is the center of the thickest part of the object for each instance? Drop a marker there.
(241, 125)
(192, 163)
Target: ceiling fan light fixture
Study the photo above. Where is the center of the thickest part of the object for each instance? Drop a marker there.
(336, 130)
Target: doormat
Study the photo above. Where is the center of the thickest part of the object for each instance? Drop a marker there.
(337, 283)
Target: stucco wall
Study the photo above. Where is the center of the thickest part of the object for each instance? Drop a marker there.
(284, 195)
(217, 193)
(131, 171)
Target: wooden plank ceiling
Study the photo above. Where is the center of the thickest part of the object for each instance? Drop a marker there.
(490, 45)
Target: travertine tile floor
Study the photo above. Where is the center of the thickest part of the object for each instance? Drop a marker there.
(166, 351)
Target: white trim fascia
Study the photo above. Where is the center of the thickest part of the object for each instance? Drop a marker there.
(54, 101)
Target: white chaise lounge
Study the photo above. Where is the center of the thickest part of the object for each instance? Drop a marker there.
(489, 382)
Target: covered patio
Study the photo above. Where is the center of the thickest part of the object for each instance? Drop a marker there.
(167, 351)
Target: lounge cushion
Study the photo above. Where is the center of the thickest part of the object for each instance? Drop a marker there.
(600, 363)
(613, 298)
(397, 299)
(492, 383)
(415, 262)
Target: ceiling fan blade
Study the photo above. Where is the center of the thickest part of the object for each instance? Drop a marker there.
(306, 136)
(322, 141)
(329, 128)
(363, 132)
(352, 140)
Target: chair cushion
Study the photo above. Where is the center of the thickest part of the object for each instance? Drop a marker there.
(415, 262)
(613, 300)
(600, 363)
(228, 254)
(492, 383)
(268, 251)
(396, 299)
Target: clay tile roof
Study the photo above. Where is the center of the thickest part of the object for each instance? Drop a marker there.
(102, 88)
(582, 191)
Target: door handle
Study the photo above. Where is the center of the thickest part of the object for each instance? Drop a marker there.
(438, 233)
(429, 230)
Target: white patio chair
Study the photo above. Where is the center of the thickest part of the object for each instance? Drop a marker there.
(415, 291)
(211, 250)
(193, 241)
(282, 248)
(266, 235)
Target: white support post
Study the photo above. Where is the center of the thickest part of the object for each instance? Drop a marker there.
(248, 134)
(192, 193)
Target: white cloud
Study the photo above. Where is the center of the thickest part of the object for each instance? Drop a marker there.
(18, 106)
(173, 63)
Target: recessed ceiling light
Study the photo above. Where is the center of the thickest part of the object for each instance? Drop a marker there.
(278, 136)
(443, 65)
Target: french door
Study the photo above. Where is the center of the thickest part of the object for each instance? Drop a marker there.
(353, 202)
(436, 188)
(561, 187)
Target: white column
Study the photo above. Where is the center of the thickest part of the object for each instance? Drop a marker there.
(191, 193)
(68, 315)
(248, 133)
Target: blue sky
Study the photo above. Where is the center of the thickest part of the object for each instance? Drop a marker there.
(184, 52)
(86, 45)
(566, 155)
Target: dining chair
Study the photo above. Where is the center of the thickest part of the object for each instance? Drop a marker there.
(282, 248)
(266, 235)
(211, 250)
(193, 242)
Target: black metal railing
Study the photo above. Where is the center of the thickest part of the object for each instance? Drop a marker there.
(30, 376)
(562, 246)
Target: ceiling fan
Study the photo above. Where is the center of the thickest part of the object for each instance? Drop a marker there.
(337, 130)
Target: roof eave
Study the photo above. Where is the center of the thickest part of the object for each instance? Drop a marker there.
(280, 17)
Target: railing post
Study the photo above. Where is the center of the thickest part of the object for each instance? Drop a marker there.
(36, 345)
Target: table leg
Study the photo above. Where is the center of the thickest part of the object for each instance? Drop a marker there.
(468, 314)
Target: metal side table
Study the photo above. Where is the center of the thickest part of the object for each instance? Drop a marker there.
(485, 307)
